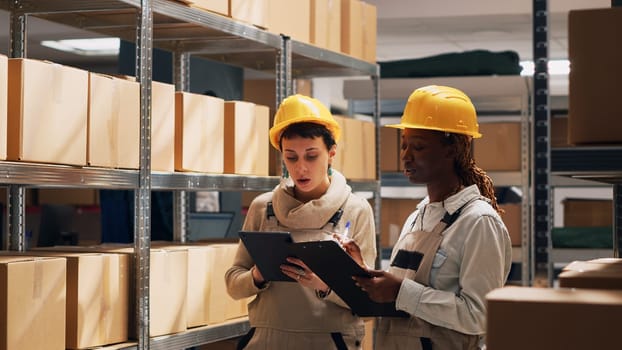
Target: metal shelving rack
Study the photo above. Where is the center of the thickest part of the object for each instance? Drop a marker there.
(496, 98)
(184, 31)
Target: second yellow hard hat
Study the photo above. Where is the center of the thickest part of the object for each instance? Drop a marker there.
(441, 108)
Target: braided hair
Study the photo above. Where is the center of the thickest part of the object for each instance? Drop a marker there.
(468, 172)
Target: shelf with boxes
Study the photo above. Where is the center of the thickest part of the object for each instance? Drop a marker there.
(504, 114)
(184, 31)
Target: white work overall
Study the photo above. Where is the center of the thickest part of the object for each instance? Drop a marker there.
(257, 338)
(412, 258)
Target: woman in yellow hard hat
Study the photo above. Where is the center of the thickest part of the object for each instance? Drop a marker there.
(454, 248)
(312, 202)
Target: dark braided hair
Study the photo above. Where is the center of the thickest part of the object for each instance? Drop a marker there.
(468, 172)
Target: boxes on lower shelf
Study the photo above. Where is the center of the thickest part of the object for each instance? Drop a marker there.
(3, 105)
(32, 302)
(546, 318)
(97, 298)
(498, 139)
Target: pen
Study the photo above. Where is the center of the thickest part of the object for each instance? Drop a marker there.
(346, 230)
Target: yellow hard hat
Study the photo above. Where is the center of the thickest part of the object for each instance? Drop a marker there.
(302, 109)
(441, 108)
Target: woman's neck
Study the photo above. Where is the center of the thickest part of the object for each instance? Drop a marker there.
(441, 192)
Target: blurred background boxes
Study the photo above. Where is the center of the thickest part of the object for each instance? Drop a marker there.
(605, 273)
(3, 105)
(162, 127)
(241, 140)
(499, 149)
(595, 74)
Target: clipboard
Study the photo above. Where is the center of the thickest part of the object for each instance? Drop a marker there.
(335, 267)
(269, 250)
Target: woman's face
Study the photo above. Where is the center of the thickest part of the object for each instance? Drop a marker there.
(426, 159)
(307, 160)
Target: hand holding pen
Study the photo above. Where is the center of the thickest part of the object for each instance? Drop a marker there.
(349, 245)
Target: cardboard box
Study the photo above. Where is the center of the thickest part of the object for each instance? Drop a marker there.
(369, 150)
(32, 303)
(162, 127)
(339, 159)
(603, 273)
(3, 104)
(97, 298)
(254, 12)
(167, 285)
(352, 147)
(220, 306)
(325, 31)
(352, 28)
(393, 215)
(546, 318)
(261, 137)
(559, 131)
(47, 112)
(199, 133)
(113, 122)
(68, 196)
(291, 18)
(499, 149)
(370, 29)
(218, 6)
(240, 138)
(588, 212)
(512, 218)
(390, 149)
(593, 109)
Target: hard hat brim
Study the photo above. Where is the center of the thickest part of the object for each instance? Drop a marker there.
(403, 126)
(275, 132)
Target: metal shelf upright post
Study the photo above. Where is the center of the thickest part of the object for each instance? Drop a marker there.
(142, 195)
(181, 76)
(542, 274)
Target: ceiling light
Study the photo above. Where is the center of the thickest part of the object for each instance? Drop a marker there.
(86, 47)
(556, 67)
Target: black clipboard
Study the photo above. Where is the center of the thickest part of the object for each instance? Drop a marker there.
(336, 267)
(269, 250)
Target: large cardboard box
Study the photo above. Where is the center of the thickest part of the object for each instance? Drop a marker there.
(32, 303)
(352, 28)
(3, 104)
(544, 318)
(199, 133)
(254, 12)
(261, 138)
(559, 131)
(292, 18)
(499, 149)
(113, 122)
(325, 21)
(595, 74)
(370, 29)
(340, 158)
(582, 212)
(47, 112)
(97, 298)
(512, 218)
(240, 138)
(162, 127)
(603, 273)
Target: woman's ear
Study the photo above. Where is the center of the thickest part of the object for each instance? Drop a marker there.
(332, 151)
